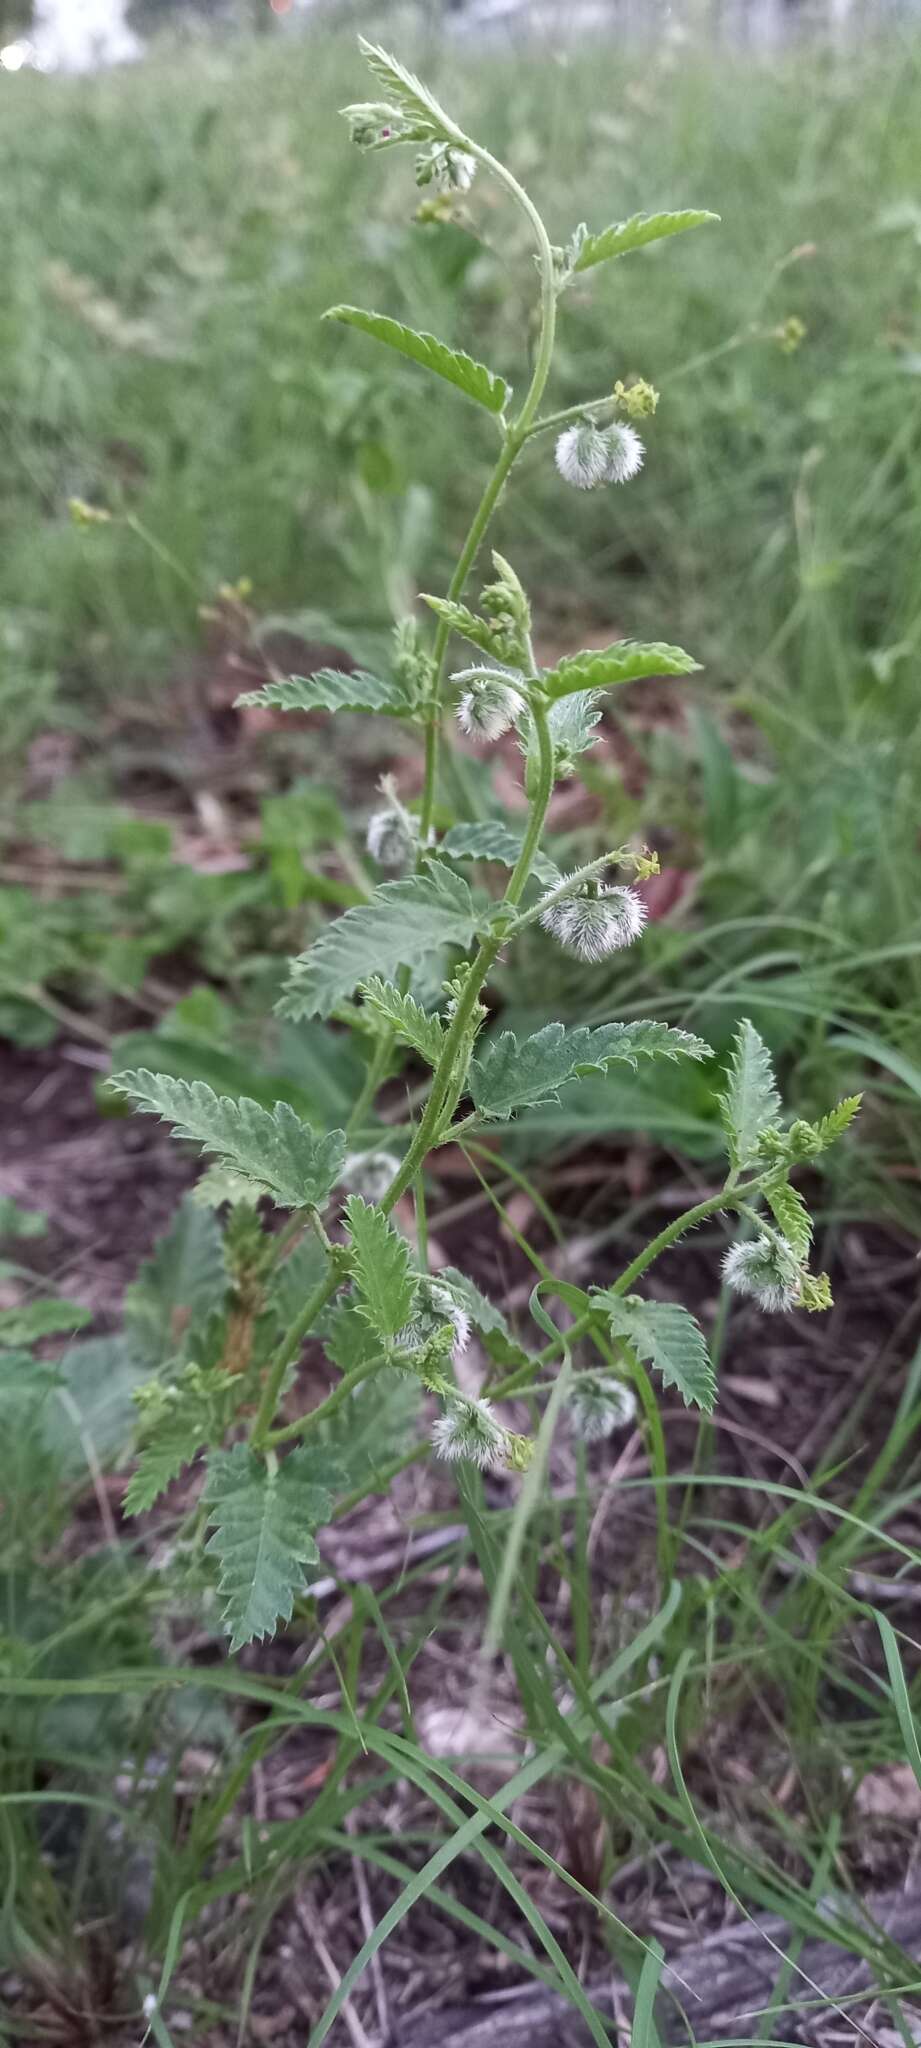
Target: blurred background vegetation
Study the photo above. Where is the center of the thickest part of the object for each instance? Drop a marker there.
(173, 232)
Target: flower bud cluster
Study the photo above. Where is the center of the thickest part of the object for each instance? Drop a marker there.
(444, 165)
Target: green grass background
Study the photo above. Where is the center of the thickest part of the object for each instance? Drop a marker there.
(172, 235)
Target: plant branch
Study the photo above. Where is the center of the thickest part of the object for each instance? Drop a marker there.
(315, 1416)
(290, 1346)
(568, 413)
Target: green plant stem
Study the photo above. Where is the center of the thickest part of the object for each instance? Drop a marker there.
(431, 1117)
(515, 436)
(478, 526)
(539, 806)
(288, 1350)
(727, 1198)
(422, 1223)
(656, 1449)
(315, 1416)
(444, 1077)
(569, 413)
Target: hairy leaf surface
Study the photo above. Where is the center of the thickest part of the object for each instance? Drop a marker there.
(330, 689)
(790, 1215)
(402, 925)
(273, 1149)
(494, 840)
(512, 1074)
(751, 1103)
(452, 364)
(416, 1027)
(49, 1316)
(382, 1268)
(636, 233)
(263, 1522)
(627, 661)
(406, 90)
(667, 1337)
(195, 1413)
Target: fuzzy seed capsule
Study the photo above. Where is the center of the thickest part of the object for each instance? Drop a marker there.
(582, 456)
(390, 838)
(592, 926)
(767, 1269)
(489, 705)
(368, 1174)
(468, 1429)
(625, 453)
(598, 1405)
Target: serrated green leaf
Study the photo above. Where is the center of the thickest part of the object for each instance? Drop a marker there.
(263, 1522)
(572, 721)
(403, 924)
(483, 1313)
(382, 1268)
(278, 1154)
(790, 1215)
(627, 661)
(183, 1282)
(635, 233)
(480, 632)
(751, 1103)
(413, 1025)
(348, 1339)
(512, 1075)
(406, 90)
(330, 689)
(494, 840)
(195, 1412)
(664, 1335)
(46, 1317)
(837, 1120)
(452, 364)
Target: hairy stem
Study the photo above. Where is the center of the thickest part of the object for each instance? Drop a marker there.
(444, 1079)
(570, 413)
(539, 807)
(515, 436)
(726, 1199)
